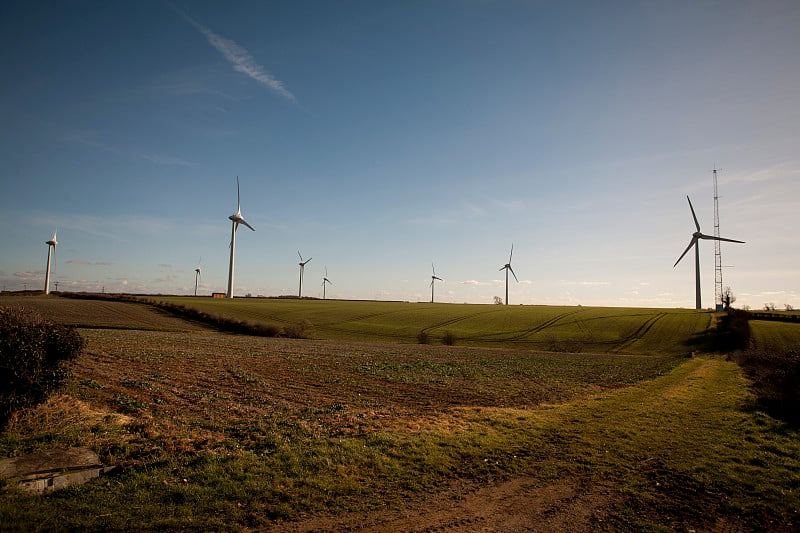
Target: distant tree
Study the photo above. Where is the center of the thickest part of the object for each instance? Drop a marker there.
(789, 307)
(745, 307)
(727, 298)
(769, 306)
(498, 300)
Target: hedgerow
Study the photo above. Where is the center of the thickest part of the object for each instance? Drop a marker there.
(33, 358)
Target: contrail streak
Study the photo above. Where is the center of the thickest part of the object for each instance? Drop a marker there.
(240, 58)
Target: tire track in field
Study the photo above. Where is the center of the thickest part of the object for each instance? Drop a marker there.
(530, 331)
(342, 326)
(638, 334)
(546, 324)
(452, 321)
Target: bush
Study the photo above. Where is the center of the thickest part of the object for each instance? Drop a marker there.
(423, 337)
(449, 338)
(776, 381)
(732, 331)
(568, 345)
(33, 354)
(300, 329)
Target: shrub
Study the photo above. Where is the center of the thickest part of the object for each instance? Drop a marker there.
(449, 338)
(423, 337)
(732, 331)
(300, 329)
(33, 354)
(568, 345)
(776, 380)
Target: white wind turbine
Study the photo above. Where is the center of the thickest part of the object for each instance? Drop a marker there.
(302, 268)
(236, 219)
(696, 236)
(434, 277)
(325, 281)
(197, 275)
(51, 246)
(507, 267)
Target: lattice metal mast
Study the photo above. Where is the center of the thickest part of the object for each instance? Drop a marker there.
(717, 249)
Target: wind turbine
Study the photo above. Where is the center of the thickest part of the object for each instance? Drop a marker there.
(235, 219)
(696, 236)
(433, 279)
(197, 275)
(324, 281)
(51, 246)
(302, 267)
(507, 267)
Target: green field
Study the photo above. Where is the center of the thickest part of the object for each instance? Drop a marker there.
(223, 432)
(775, 336)
(552, 328)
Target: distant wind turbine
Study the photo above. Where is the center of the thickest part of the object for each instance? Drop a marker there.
(197, 275)
(696, 236)
(507, 267)
(433, 279)
(325, 281)
(51, 246)
(235, 219)
(302, 268)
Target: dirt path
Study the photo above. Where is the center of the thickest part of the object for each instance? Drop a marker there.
(517, 505)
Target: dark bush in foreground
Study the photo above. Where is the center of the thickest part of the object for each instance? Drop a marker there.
(300, 329)
(449, 338)
(776, 380)
(423, 337)
(732, 331)
(33, 354)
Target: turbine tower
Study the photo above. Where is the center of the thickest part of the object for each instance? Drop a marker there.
(302, 268)
(197, 275)
(51, 246)
(507, 267)
(696, 236)
(235, 219)
(325, 281)
(433, 279)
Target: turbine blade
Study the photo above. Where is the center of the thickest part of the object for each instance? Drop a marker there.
(248, 225)
(696, 223)
(301, 256)
(503, 267)
(726, 240)
(307, 260)
(511, 254)
(238, 196)
(512, 273)
(691, 243)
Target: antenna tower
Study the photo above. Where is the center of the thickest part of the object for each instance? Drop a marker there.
(717, 250)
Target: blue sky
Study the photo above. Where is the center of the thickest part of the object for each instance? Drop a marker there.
(379, 137)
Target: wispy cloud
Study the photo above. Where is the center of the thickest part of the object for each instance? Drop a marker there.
(166, 160)
(78, 262)
(785, 170)
(87, 139)
(28, 274)
(240, 59)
